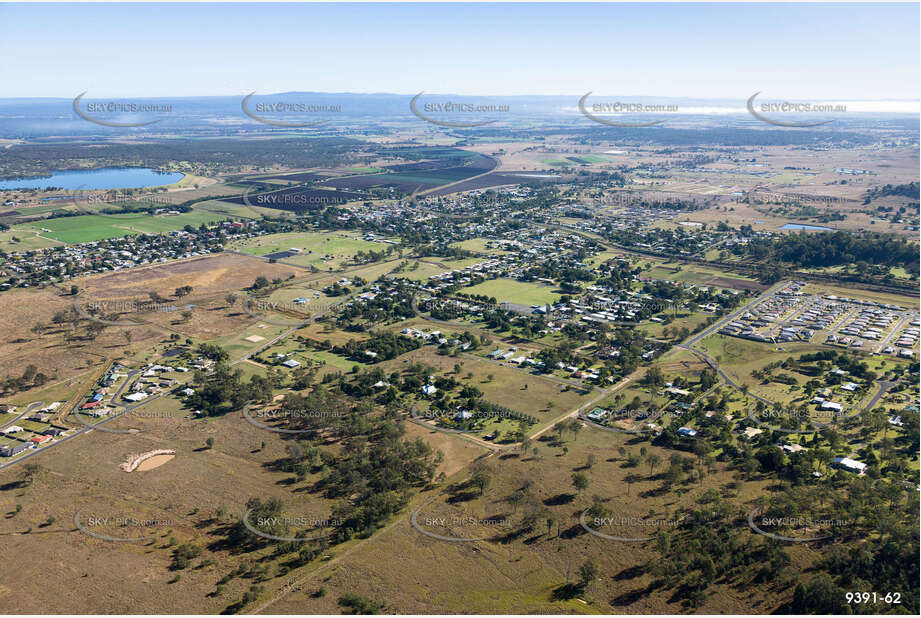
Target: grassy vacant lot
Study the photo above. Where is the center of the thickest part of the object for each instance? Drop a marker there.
(739, 357)
(28, 240)
(687, 273)
(236, 343)
(684, 320)
(478, 245)
(603, 257)
(515, 291)
(89, 228)
(325, 250)
(879, 297)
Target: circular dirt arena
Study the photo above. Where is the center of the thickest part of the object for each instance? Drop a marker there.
(148, 460)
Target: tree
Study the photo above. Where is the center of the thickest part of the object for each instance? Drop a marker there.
(525, 444)
(654, 377)
(185, 290)
(580, 481)
(819, 596)
(210, 441)
(653, 460)
(588, 573)
(575, 426)
(481, 480)
(28, 474)
(231, 299)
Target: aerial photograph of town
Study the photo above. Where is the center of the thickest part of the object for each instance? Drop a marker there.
(460, 308)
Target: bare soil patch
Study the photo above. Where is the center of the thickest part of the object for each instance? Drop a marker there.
(148, 460)
(207, 275)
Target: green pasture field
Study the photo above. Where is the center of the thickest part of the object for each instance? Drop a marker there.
(28, 241)
(338, 246)
(515, 292)
(90, 228)
(477, 245)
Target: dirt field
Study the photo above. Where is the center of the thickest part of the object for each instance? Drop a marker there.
(63, 354)
(177, 502)
(207, 275)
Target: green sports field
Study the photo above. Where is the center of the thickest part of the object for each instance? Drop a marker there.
(515, 292)
(89, 228)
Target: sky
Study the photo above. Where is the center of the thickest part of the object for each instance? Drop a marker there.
(806, 51)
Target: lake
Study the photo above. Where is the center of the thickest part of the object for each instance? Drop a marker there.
(105, 178)
(801, 226)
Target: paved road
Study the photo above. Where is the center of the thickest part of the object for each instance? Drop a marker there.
(77, 433)
(512, 445)
(29, 409)
(768, 293)
(884, 387)
(688, 345)
(84, 428)
(898, 328)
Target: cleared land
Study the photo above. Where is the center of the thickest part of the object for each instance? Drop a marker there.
(325, 250)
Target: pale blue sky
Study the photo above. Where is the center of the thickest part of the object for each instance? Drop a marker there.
(818, 51)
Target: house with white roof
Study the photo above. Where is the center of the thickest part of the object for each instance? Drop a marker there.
(851, 465)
